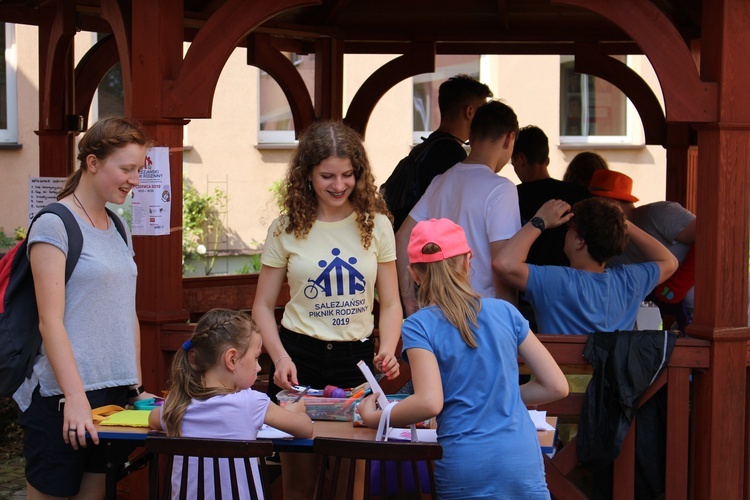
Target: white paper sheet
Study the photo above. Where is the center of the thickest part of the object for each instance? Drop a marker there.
(423, 435)
(268, 432)
(382, 400)
(540, 420)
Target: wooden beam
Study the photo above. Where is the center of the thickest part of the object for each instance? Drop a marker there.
(190, 94)
(502, 47)
(678, 175)
(420, 58)
(56, 95)
(56, 32)
(686, 97)
(262, 54)
(329, 79)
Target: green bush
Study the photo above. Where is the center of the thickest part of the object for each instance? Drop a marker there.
(201, 225)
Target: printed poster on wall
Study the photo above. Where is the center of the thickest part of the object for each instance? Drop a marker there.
(152, 199)
(42, 192)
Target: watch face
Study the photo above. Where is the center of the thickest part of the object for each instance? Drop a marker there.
(538, 223)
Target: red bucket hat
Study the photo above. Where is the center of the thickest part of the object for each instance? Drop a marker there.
(445, 233)
(612, 184)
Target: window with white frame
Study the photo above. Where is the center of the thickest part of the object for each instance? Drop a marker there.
(426, 110)
(593, 111)
(8, 101)
(276, 125)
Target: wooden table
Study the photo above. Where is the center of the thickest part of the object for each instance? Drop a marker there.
(114, 437)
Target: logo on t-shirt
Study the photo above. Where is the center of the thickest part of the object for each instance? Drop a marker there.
(339, 277)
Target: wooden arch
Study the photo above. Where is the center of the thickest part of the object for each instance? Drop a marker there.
(589, 60)
(686, 97)
(420, 58)
(90, 70)
(190, 95)
(120, 22)
(262, 54)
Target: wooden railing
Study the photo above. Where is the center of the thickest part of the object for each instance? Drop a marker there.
(687, 356)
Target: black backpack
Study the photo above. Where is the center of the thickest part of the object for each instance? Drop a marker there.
(20, 339)
(401, 190)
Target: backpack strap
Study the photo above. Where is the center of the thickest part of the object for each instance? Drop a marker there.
(419, 156)
(75, 236)
(421, 149)
(118, 224)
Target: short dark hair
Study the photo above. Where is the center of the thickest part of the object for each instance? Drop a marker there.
(458, 91)
(492, 121)
(582, 168)
(600, 222)
(533, 143)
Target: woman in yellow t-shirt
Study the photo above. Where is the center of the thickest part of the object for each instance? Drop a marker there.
(334, 244)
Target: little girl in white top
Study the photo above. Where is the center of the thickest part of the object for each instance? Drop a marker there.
(211, 396)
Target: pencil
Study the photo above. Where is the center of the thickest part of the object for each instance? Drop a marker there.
(302, 394)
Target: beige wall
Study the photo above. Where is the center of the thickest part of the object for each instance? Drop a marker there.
(224, 152)
(19, 164)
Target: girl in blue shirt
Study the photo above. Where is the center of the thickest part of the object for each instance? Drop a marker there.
(463, 353)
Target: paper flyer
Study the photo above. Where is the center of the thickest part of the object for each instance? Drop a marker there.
(152, 199)
(42, 192)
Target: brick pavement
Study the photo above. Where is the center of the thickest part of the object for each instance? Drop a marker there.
(12, 479)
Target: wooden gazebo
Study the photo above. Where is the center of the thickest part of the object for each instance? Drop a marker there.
(696, 48)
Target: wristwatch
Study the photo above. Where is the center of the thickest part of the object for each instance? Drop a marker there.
(538, 223)
(135, 392)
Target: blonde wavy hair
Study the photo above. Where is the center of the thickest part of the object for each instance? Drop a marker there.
(445, 283)
(216, 331)
(322, 140)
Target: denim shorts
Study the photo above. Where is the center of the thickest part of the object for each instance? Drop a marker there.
(53, 467)
(321, 363)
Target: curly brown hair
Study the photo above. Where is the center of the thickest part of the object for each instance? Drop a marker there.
(322, 140)
(601, 223)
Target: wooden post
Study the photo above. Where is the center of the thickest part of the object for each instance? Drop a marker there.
(677, 143)
(329, 79)
(721, 255)
(56, 32)
(156, 55)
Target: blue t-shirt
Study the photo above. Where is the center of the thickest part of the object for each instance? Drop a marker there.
(490, 446)
(571, 301)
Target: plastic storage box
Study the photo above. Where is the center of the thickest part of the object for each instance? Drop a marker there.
(320, 408)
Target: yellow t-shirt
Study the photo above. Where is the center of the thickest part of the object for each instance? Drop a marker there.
(331, 276)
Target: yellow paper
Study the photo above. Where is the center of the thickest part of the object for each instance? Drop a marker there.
(129, 418)
(104, 412)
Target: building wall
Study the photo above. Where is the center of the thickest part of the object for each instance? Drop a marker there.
(223, 152)
(18, 164)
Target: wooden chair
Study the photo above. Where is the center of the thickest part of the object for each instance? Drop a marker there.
(160, 483)
(380, 453)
